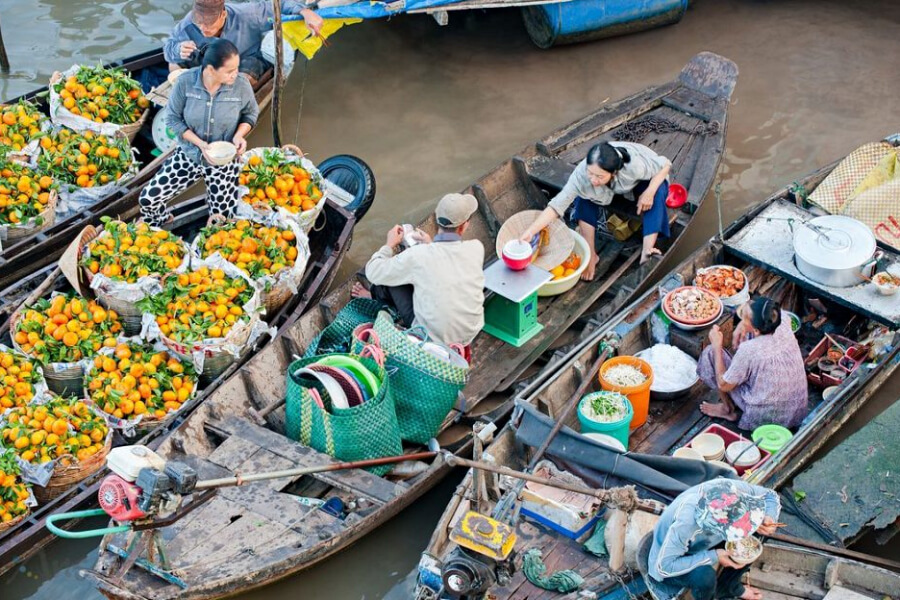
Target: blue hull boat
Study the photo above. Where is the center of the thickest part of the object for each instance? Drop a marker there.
(586, 20)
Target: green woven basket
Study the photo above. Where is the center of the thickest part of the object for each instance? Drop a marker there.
(336, 336)
(425, 388)
(369, 430)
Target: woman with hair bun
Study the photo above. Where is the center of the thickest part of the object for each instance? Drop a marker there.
(209, 103)
(765, 379)
(612, 168)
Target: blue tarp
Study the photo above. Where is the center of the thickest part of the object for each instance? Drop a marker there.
(373, 10)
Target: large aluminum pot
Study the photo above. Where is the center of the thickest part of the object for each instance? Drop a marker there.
(834, 250)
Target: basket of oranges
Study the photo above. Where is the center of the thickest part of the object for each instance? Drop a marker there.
(282, 181)
(61, 442)
(274, 255)
(14, 494)
(208, 316)
(21, 379)
(137, 385)
(88, 166)
(125, 263)
(61, 331)
(21, 127)
(105, 101)
(27, 201)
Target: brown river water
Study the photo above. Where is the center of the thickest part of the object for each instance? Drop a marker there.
(432, 108)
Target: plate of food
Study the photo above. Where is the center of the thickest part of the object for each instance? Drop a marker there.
(886, 283)
(728, 283)
(691, 307)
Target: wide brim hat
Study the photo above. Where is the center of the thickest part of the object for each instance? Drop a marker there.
(558, 248)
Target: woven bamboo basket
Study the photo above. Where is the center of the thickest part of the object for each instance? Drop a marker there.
(129, 314)
(65, 477)
(276, 297)
(216, 359)
(62, 382)
(13, 522)
(132, 129)
(10, 234)
(307, 218)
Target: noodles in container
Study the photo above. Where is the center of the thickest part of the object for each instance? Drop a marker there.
(674, 372)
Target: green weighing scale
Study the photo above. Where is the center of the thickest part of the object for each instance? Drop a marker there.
(511, 311)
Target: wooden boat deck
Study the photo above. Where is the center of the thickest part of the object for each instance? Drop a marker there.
(671, 423)
(503, 192)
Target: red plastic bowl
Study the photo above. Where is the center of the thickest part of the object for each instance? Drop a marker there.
(517, 255)
(677, 195)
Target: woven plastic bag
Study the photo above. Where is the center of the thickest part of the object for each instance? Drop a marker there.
(337, 336)
(425, 387)
(369, 430)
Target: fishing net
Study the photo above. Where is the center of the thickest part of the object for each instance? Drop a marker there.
(535, 571)
(369, 430)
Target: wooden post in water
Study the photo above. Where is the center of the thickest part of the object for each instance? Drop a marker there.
(279, 75)
(4, 59)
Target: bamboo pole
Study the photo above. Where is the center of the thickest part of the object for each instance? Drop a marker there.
(4, 59)
(279, 75)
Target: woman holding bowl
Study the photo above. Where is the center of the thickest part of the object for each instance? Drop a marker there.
(209, 103)
(610, 169)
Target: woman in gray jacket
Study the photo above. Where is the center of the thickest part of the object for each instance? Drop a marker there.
(209, 103)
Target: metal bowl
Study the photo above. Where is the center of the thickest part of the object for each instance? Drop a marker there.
(671, 394)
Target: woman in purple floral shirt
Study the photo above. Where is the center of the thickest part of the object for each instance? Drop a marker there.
(765, 379)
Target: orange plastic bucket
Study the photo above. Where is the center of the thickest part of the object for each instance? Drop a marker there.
(638, 395)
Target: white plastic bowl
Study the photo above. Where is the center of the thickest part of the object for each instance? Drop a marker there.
(710, 445)
(685, 452)
(606, 440)
(221, 153)
(748, 458)
(560, 286)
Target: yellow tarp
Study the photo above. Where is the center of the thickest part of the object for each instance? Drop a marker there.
(301, 38)
(866, 186)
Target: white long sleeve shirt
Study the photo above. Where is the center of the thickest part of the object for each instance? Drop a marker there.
(448, 282)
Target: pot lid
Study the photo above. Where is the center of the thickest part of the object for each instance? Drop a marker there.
(834, 242)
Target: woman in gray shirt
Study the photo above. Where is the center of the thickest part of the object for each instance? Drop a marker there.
(209, 103)
(610, 169)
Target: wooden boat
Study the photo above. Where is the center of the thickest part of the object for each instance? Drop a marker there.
(21, 259)
(328, 246)
(671, 424)
(263, 532)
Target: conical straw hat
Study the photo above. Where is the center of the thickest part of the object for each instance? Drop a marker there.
(558, 248)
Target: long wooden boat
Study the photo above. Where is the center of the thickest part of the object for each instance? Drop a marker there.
(328, 245)
(19, 260)
(262, 532)
(671, 423)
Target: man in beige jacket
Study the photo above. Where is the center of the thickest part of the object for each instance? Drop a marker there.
(437, 284)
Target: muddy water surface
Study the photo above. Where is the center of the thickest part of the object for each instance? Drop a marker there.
(433, 108)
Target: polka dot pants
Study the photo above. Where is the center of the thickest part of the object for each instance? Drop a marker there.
(179, 173)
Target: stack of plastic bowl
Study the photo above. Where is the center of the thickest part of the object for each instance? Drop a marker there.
(709, 445)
